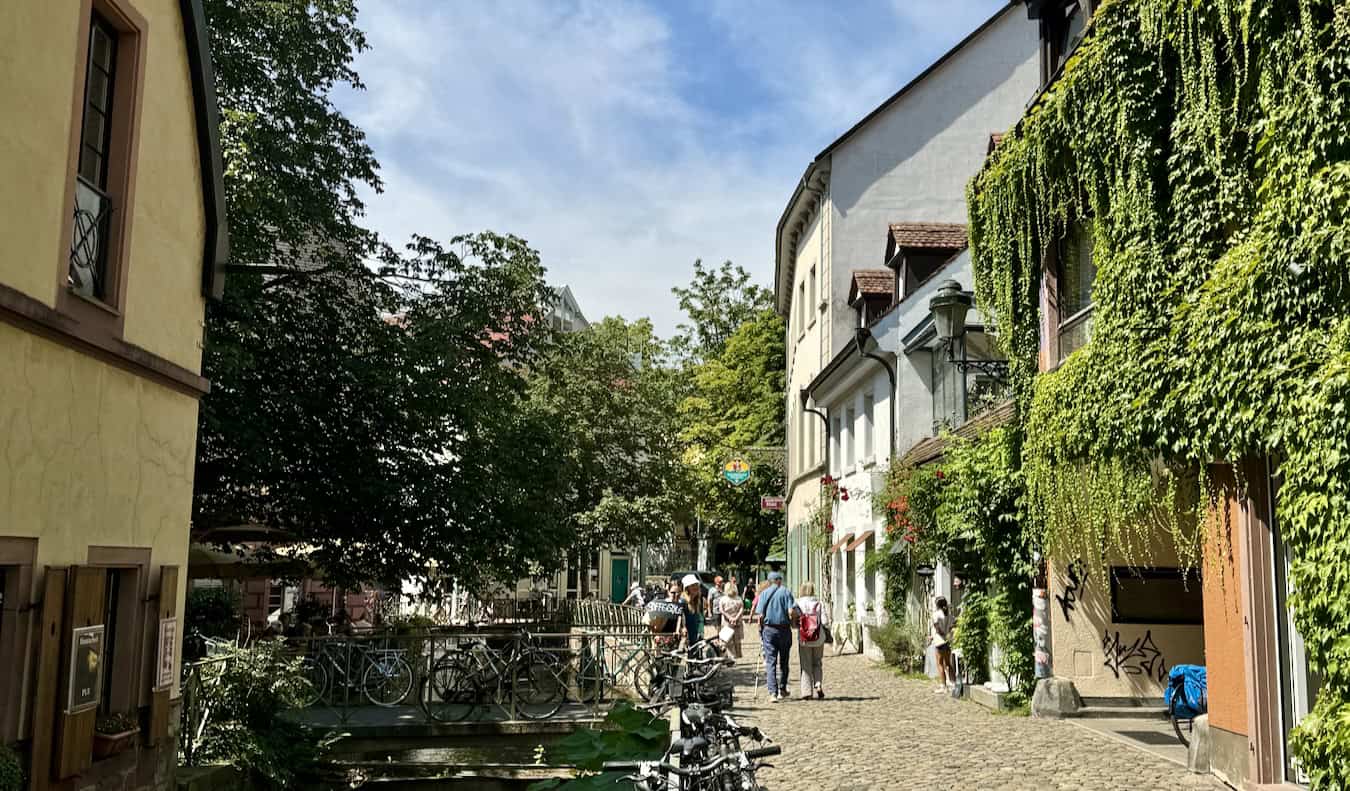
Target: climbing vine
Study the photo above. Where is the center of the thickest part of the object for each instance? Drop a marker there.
(1207, 147)
(968, 514)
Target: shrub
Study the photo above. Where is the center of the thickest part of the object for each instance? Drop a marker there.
(214, 612)
(901, 644)
(11, 770)
(255, 686)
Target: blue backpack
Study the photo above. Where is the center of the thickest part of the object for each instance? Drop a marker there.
(1187, 695)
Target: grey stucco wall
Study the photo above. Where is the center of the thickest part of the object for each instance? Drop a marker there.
(911, 163)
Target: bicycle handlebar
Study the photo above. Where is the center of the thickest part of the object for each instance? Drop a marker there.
(693, 771)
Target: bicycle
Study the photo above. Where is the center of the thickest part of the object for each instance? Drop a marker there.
(723, 773)
(385, 677)
(593, 675)
(1186, 698)
(525, 673)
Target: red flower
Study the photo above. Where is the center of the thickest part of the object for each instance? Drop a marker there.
(829, 527)
(843, 495)
(939, 474)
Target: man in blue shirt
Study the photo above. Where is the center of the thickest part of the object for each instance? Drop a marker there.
(775, 634)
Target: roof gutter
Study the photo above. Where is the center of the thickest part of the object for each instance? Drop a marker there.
(216, 245)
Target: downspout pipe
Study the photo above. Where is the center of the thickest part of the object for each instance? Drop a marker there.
(865, 342)
(806, 398)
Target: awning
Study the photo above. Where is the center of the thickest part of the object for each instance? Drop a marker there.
(862, 539)
(835, 546)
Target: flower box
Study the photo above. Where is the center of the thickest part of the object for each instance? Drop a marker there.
(107, 745)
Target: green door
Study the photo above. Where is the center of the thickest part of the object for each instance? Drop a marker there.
(618, 579)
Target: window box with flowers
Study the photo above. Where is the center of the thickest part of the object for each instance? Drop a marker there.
(114, 733)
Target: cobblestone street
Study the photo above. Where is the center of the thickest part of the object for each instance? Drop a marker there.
(876, 730)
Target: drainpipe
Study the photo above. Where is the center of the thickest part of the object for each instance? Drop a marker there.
(806, 396)
(863, 341)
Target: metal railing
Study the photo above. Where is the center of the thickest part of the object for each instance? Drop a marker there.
(197, 703)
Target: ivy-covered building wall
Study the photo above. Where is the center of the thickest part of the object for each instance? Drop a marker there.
(1204, 150)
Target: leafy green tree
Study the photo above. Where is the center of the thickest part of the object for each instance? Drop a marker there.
(370, 401)
(613, 394)
(737, 404)
(717, 302)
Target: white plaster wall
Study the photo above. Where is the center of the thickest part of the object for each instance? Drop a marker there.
(911, 163)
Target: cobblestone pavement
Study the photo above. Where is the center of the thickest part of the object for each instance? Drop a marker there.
(876, 730)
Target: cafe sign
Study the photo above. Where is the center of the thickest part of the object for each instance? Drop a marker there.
(164, 659)
(736, 471)
(86, 669)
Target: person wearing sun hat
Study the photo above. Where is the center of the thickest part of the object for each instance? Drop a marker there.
(774, 609)
(694, 607)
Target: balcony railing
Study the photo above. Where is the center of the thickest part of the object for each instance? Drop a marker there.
(89, 241)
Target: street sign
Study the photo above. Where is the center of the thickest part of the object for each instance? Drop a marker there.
(768, 503)
(736, 471)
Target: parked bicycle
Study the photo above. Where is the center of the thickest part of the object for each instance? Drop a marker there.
(523, 678)
(381, 675)
(635, 668)
(724, 772)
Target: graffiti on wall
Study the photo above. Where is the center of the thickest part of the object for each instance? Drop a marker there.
(1077, 573)
(1140, 658)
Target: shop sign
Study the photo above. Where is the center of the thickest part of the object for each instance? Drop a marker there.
(164, 659)
(736, 471)
(86, 669)
(770, 503)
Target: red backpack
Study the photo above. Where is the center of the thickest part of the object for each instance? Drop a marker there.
(809, 625)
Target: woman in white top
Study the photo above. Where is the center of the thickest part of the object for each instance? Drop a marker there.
(732, 608)
(940, 636)
(812, 621)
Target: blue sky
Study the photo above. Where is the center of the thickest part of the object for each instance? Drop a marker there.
(625, 139)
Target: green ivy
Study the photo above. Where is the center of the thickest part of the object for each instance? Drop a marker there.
(970, 515)
(1208, 146)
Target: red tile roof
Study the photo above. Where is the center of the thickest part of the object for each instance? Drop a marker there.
(871, 283)
(929, 235)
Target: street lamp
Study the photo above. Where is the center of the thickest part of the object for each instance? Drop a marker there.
(949, 308)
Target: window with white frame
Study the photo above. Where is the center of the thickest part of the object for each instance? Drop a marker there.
(811, 306)
(869, 408)
(801, 308)
(836, 428)
(852, 427)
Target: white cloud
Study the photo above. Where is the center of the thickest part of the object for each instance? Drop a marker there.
(581, 126)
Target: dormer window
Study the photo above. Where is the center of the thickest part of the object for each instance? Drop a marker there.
(917, 251)
(870, 294)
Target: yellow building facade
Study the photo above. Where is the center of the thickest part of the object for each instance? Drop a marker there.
(112, 221)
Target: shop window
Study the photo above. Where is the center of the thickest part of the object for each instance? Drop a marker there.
(1075, 273)
(1156, 596)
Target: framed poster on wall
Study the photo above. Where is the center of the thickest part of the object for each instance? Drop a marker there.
(86, 669)
(164, 658)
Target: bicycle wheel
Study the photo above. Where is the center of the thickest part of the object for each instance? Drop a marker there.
(387, 680)
(539, 686)
(450, 693)
(645, 679)
(315, 684)
(591, 677)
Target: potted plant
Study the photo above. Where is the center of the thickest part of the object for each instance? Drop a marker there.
(114, 733)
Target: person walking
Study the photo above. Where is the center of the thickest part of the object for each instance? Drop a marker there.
(715, 593)
(940, 636)
(634, 597)
(812, 622)
(694, 607)
(663, 617)
(732, 610)
(775, 635)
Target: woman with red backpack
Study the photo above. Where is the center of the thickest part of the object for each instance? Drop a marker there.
(812, 625)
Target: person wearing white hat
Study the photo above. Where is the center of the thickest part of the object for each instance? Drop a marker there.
(635, 597)
(693, 608)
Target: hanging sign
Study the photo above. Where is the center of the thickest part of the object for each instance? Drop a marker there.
(86, 669)
(768, 503)
(168, 640)
(736, 471)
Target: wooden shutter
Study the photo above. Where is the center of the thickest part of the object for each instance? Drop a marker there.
(50, 636)
(167, 607)
(75, 732)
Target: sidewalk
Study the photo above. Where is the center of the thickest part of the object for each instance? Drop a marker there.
(876, 730)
